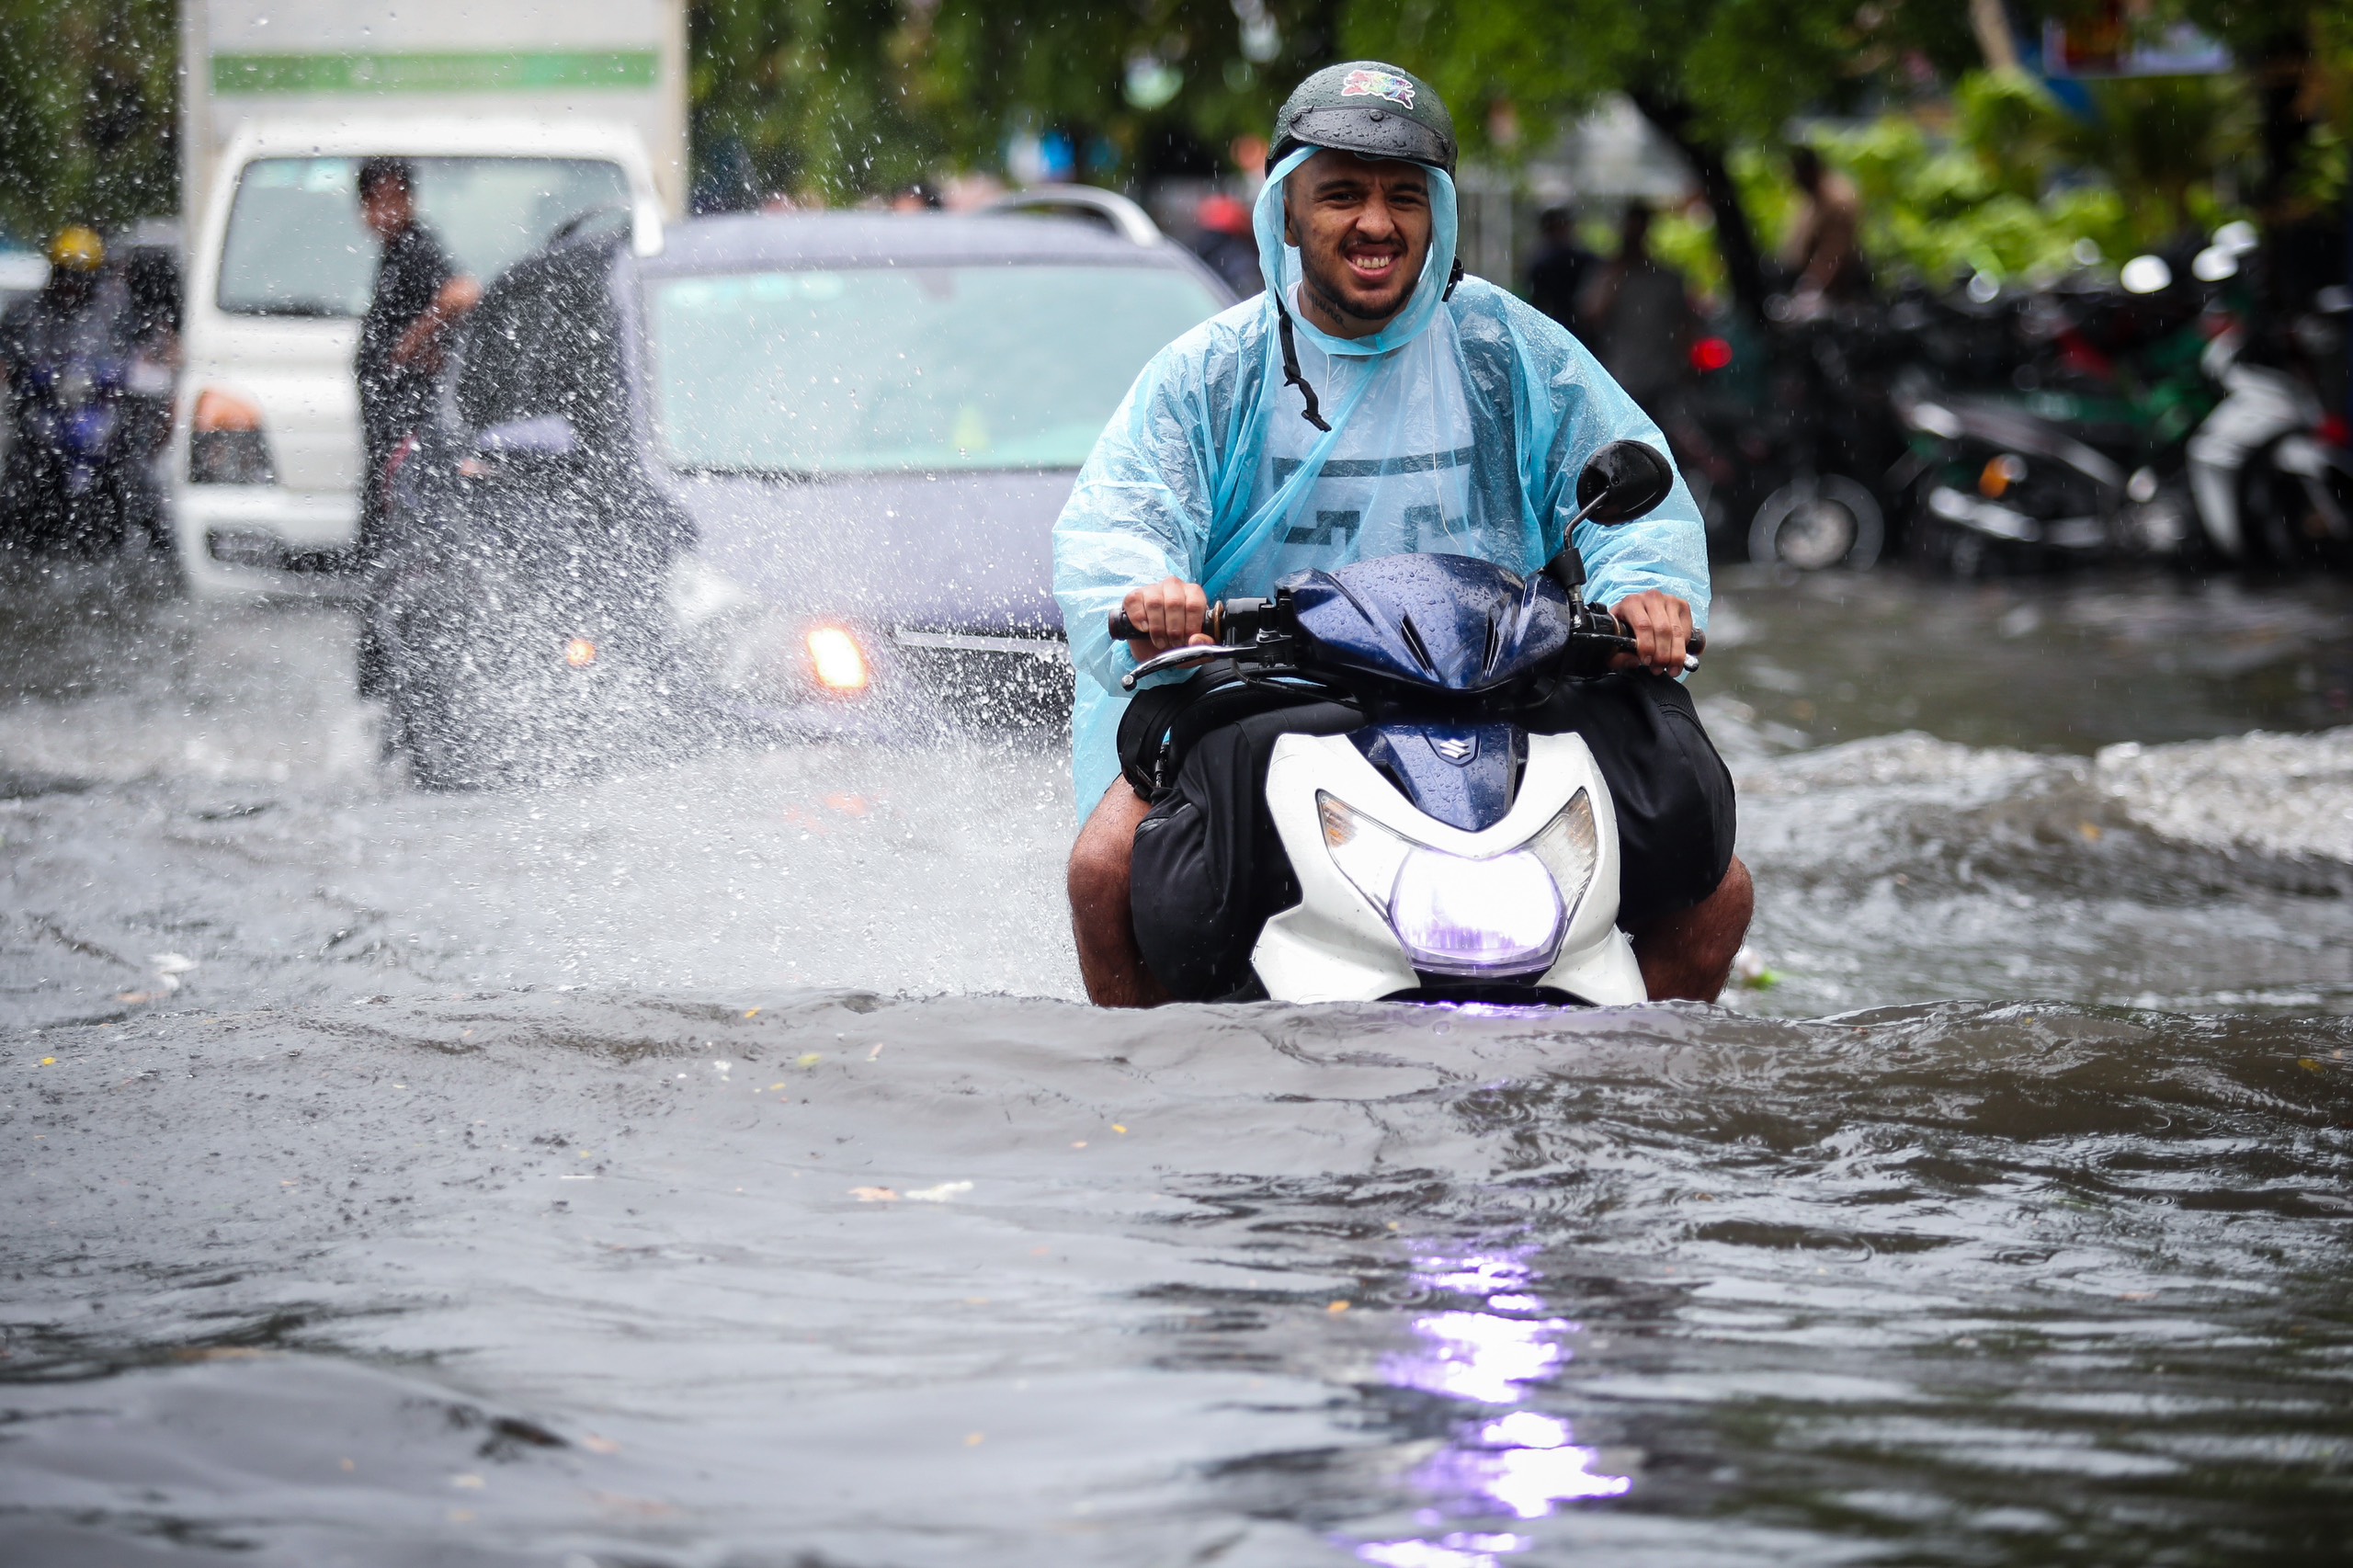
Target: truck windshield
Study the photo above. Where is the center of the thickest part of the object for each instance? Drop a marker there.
(866, 370)
(296, 246)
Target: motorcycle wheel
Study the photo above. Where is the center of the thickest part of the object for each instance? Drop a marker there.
(1818, 521)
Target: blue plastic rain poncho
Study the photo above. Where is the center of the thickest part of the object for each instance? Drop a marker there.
(1461, 427)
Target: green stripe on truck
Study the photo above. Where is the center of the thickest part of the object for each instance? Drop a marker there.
(434, 73)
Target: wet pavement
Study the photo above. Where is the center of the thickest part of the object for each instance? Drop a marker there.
(706, 1164)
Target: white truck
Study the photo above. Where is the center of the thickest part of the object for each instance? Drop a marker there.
(516, 121)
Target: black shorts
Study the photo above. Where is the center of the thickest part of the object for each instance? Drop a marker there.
(1209, 868)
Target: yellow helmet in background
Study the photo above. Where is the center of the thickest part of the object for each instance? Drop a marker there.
(77, 248)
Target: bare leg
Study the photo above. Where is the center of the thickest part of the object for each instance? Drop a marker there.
(1108, 959)
(1687, 956)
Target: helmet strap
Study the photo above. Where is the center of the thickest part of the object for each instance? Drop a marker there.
(1312, 413)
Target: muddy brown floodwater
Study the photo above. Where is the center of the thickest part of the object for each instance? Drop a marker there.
(707, 1165)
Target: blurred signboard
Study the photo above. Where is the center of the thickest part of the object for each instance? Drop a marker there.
(2123, 39)
(421, 61)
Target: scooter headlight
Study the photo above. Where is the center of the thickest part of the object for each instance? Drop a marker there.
(1455, 915)
(1462, 917)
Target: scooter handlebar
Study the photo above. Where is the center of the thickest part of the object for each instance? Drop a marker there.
(1609, 625)
(1233, 614)
(1228, 620)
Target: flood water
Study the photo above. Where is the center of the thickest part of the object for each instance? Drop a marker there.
(709, 1165)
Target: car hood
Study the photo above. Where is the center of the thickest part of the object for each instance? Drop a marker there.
(964, 552)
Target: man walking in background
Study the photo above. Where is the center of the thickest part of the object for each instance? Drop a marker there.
(405, 335)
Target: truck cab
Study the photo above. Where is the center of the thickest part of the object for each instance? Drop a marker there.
(266, 466)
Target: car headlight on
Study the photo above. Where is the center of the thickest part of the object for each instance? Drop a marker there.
(839, 662)
(1456, 916)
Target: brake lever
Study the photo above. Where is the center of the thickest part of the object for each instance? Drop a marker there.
(1176, 658)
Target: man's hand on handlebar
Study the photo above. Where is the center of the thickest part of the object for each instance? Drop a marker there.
(1660, 625)
(1169, 614)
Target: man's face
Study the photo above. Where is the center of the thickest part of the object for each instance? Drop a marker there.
(1362, 226)
(387, 209)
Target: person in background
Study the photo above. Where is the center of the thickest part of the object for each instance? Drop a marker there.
(1824, 253)
(1637, 316)
(920, 197)
(77, 302)
(1249, 156)
(1561, 269)
(404, 337)
(1227, 244)
(81, 311)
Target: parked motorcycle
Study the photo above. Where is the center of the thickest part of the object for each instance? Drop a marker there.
(2076, 454)
(1994, 485)
(1783, 437)
(1442, 852)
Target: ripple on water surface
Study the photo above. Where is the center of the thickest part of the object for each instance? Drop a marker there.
(961, 1281)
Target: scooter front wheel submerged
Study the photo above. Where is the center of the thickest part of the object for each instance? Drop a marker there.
(1818, 521)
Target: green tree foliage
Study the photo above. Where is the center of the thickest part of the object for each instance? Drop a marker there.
(88, 113)
(1709, 73)
(845, 98)
(2016, 183)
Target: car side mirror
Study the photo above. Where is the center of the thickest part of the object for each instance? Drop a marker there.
(520, 445)
(1624, 480)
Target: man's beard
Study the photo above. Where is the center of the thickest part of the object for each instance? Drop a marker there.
(1319, 284)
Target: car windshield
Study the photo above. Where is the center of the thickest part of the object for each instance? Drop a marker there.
(869, 371)
(296, 246)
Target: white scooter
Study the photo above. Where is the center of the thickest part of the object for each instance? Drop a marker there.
(1442, 852)
(2266, 482)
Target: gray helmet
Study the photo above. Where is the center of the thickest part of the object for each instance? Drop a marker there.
(1367, 107)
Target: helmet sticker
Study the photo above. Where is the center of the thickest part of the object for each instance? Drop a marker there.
(1378, 85)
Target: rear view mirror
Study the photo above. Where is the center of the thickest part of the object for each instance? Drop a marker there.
(1624, 480)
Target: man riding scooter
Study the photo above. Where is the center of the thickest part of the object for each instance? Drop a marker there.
(1373, 402)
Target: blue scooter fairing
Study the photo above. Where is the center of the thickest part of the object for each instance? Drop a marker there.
(1443, 623)
(1434, 630)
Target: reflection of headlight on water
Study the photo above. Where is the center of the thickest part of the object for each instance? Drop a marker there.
(1462, 1548)
(1478, 1355)
(1529, 1465)
(1519, 1463)
(1456, 916)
